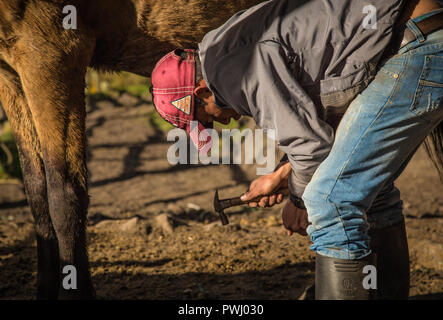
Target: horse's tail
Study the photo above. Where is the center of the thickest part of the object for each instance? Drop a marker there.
(434, 148)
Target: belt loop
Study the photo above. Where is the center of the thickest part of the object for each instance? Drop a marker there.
(415, 30)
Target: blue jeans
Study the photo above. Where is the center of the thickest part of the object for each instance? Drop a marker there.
(353, 189)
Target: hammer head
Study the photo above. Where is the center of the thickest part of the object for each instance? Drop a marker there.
(219, 208)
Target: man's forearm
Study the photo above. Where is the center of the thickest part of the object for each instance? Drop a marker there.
(282, 161)
(283, 170)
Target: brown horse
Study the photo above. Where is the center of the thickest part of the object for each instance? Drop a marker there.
(42, 80)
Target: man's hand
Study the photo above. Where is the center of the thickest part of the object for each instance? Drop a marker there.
(267, 188)
(294, 219)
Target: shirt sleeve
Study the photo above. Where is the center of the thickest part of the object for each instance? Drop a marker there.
(281, 104)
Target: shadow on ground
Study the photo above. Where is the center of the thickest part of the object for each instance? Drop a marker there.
(18, 266)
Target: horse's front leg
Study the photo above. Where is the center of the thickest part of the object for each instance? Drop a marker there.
(54, 87)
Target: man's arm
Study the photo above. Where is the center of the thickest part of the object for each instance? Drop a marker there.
(282, 104)
(268, 186)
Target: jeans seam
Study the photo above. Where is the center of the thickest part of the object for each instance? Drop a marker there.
(418, 90)
(388, 100)
(387, 72)
(394, 89)
(421, 86)
(344, 230)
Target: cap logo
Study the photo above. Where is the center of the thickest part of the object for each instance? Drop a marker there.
(183, 104)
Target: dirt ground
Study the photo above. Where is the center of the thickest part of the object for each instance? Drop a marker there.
(153, 233)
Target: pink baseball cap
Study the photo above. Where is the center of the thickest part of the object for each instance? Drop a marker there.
(173, 83)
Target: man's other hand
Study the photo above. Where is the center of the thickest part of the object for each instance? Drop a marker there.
(294, 219)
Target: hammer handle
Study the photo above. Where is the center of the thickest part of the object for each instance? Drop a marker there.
(232, 202)
(237, 201)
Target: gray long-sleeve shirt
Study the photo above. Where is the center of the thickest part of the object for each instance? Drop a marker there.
(287, 63)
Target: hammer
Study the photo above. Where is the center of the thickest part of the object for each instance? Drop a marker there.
(220, 205)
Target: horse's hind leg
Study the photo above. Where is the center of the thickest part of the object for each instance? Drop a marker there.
(19, 116)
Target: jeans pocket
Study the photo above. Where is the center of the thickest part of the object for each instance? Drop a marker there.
(428, 97)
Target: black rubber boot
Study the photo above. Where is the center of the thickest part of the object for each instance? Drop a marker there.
(391, 247)
(339, 279)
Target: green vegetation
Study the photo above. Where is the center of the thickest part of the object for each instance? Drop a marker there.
(111, 85)
(9, 160)
(158, 123)
(114, 84)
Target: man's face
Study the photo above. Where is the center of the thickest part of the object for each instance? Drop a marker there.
(207, 111)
